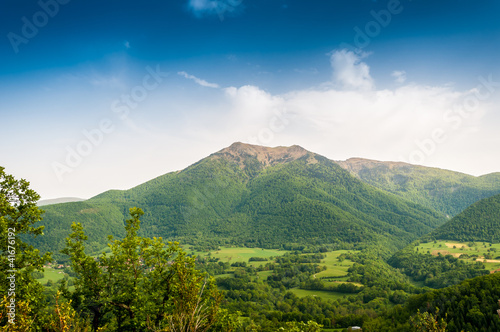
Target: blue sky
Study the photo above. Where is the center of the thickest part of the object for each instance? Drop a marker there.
(96, 95)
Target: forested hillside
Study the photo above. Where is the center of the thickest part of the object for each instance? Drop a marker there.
(479, 222)
(470, 306)
(442, 190)
(254, 196)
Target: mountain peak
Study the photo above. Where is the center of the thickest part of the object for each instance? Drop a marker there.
(354, 165)
(267, 156)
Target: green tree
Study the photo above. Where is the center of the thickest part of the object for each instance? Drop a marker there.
(18, 215)
(141, 284)
(310, 326)
(427, 322)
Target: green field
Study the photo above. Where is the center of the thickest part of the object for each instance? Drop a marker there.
(335, 270)
(458, 249)
(51, 274)
(325, 295)
(238, 254)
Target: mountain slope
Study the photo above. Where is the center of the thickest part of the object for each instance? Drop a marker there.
(445, 191)
(470, 306)
(479, 222)
(255, 196)
(44, 202)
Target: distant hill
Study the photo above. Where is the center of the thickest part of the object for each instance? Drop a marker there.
(59, 200)
(251, 195)
(445, 191)
(479, 222)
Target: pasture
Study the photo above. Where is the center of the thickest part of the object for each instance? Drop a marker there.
(485, 252)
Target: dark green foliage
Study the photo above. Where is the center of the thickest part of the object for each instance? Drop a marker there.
(257, 259)
(239, 200)
(20, 262)
(479, 222)
(144, 284)
(435, 271)
(445, 191)
(370, 270)
(470, 306)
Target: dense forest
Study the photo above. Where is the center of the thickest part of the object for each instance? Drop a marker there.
(479, 222)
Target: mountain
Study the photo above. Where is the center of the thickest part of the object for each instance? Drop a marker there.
(479, 222)
(250, 195)
(445, 191)
(44, 202)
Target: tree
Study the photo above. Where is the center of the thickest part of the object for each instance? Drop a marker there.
(18, 215)
(142, 284)
(427, 322)
(310, 326)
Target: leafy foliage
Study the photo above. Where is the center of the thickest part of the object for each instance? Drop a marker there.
(435, 271)
(469, 306)
(18, 260)
(142, 283)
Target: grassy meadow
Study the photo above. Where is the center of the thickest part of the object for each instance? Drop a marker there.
(467, 251)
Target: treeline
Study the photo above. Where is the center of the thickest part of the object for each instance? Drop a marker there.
(435, 271)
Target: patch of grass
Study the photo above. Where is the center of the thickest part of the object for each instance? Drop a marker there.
(264, 274)
(334, 268)
(239, 254)
(324, 295)
(51, 274)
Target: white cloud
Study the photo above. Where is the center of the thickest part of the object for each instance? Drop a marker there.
(349, 72)
(350, 119)
(199, 80)
(126, 44)
(414, 123)
(215, 7)
(399, 76)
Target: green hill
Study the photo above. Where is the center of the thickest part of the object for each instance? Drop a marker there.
(479, 222)
(254, 196)
(445, 191)
(470, 306)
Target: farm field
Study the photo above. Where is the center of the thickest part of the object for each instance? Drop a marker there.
(325, 295)
(51, 274)
(485, 252)
(334, 268)
(240, 254)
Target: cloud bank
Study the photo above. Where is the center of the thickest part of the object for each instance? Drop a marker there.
(349, 117)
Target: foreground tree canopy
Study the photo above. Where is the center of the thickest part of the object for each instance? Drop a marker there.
(141, 284)
(18, 216)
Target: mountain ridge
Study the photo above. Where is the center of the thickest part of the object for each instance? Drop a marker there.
(253, 196)
(446, 191)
